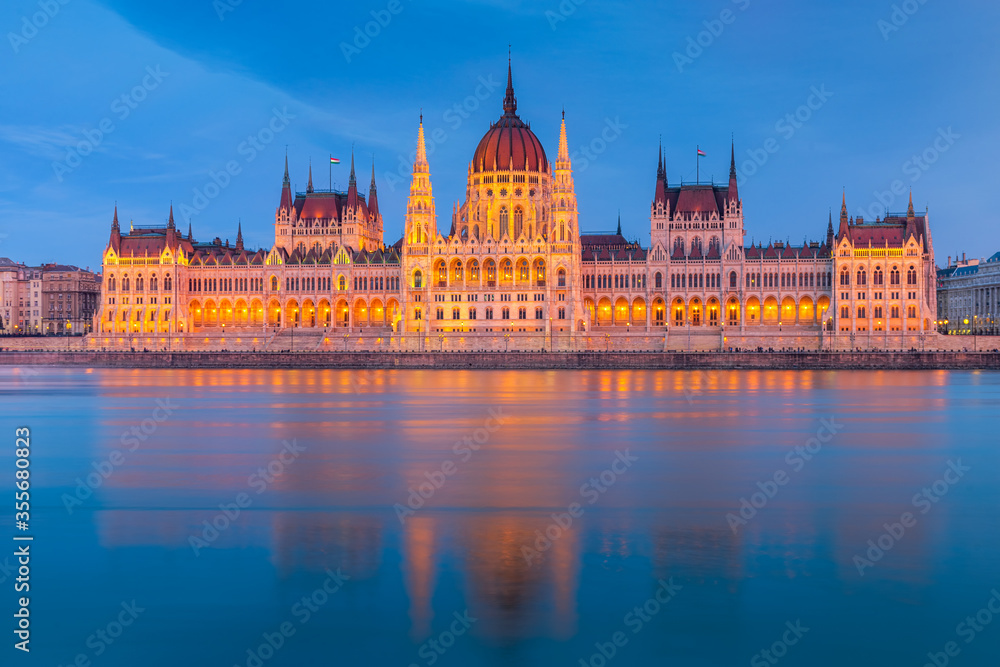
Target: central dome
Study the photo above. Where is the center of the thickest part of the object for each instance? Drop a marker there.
(510, 145)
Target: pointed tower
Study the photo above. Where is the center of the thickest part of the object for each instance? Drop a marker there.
(373, 197)
(661, 179)
(509, 100)
(909, 209)
(734, 194)
(829, 231)
(190, 236)
(421, 222)
(116, 233)
(619, 232)
(564, 207)
(286, 189)
(844, 230)
(309, 187)
(659, 215)
(239, 237)
(352, 188)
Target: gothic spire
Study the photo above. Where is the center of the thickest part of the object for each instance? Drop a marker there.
(660, 169)
(909, 210)
(661, 177)
(114, 223)
(563, 141)
(619, 232)
(421, 162)
(189, 230)
(286, 188)
(170, 221)
(352, 186)
(733, 190)
(373, 196)
(844, 226)
(239, 237)
(309, 188)
(509, 101)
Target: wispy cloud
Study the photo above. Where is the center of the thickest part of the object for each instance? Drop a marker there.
(49, 143)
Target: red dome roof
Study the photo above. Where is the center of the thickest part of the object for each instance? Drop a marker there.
(510, 144)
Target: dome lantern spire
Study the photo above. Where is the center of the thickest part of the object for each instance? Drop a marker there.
(510, 101)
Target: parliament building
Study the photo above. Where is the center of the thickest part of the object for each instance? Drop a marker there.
(513, 264)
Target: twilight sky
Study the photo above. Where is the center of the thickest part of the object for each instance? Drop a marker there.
(143, 103)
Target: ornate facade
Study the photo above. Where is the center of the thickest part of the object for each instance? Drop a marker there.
(514, 261)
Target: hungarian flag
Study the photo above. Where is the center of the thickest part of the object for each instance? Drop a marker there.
(701, 153)
(334, 160)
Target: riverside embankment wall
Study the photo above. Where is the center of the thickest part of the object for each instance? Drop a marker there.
(513, 360)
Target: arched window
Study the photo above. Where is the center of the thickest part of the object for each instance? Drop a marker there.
(111, 283)
(504, 221)
(518, 221)
(418, 280)
(894, 276)
(342, 283)
(679, 245)
(274, 283)
(911, 276)
(696, 244)
(877, 276)
(168, 283)
(658, 280)
(732, 280)
(153, 283)
(125, 285)
(862, 277)
(138, 283)
(845, 277)
(562, 277)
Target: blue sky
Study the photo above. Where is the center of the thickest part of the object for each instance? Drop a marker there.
(887, 82)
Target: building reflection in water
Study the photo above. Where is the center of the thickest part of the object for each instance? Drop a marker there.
(704, 440)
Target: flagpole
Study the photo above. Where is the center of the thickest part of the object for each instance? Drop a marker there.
(331, 172)
(697, 160)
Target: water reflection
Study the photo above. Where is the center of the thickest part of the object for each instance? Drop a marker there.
(703, 441)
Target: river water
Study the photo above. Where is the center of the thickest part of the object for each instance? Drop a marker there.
(260, 518)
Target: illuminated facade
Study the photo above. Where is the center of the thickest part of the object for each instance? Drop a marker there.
(515, 262)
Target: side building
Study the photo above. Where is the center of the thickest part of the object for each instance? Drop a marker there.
(968, 293)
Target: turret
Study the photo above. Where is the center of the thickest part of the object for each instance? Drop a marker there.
(352, 188)
(116, 233)
(661, 179)
(564, 219)
(239, 237)
(421, 223)
(286, 190)
(372, 195)
(309, 187)
(844, 230)
(734, 194)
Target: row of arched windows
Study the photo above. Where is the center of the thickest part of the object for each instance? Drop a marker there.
(140, 284)
(878, 277)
